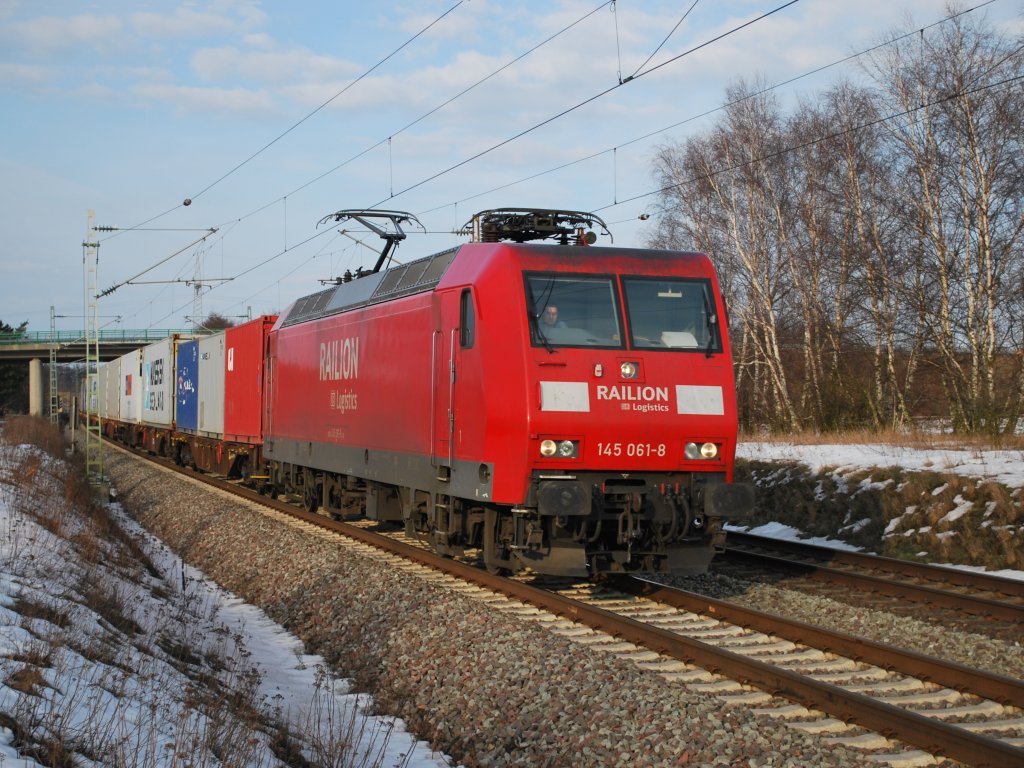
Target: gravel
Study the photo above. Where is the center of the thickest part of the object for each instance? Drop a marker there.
(480, 685)
(973, 649)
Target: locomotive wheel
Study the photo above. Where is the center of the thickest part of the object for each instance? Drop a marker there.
(310, 492)
(309, 498)
(492, 562)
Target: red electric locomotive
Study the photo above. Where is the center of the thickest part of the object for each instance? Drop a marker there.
(558, 407)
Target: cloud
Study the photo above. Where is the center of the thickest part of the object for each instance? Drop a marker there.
(225, 101)
(184, 22)
(25, 74)
(49, 33)
(258, 40)
(288, 66)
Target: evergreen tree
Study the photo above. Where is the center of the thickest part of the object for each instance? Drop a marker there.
(13, 378)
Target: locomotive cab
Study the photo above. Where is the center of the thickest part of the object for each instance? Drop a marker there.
(630, 425)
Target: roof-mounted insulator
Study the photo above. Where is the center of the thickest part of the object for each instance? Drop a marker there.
(523, 224)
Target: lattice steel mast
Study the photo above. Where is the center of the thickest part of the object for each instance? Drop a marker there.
(54, 401)
(93, 429)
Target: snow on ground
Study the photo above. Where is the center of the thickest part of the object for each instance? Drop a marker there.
(137, 702)
(1006, 467)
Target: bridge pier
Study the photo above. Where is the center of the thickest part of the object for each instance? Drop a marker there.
(35, 387)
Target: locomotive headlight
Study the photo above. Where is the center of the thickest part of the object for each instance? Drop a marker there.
(694, 451)
(562, 449)
(628, 370)
(709, 451)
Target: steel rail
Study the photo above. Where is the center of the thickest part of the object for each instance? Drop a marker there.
(924, 571)
(975, 606)
(923, 732)
(1005, 690)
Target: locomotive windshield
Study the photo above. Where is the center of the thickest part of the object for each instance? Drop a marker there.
(573, 311)
(672, 313)
(666, 313)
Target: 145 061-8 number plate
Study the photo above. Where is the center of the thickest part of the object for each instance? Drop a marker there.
(633, 450)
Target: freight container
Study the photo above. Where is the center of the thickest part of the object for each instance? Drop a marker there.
(130, 398)
(110, 380)
(90, 395)
(211, 386)
(158, 383)
(186, 399)
(86, 404)
(245, 350)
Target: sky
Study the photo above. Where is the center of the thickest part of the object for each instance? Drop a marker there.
(268, 116)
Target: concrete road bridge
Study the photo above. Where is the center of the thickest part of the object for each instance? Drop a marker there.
(34, 348)
(70, 345)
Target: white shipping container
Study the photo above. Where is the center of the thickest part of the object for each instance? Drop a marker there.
(211, 385)
(158, 383)
(110, 379)
(83, 396)
(130, 405)
(90, 402)
(101, 389)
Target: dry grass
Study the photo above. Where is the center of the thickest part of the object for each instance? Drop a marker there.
(26, 679)
(33, 430)
(34, 609)
(921, 439)
(122, 626)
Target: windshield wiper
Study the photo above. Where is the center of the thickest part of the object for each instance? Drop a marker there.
(534, 325)
(712, 323)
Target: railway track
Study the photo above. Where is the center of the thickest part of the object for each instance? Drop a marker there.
(861, 694)
(961, 596)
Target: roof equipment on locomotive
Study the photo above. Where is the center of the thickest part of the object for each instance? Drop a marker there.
(392, 238)
(520, 225)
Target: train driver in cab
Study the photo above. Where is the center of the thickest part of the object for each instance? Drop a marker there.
(549, 317)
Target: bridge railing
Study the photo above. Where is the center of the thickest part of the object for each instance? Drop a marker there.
(72, 337)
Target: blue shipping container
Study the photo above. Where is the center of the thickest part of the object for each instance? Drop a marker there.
(186, 398)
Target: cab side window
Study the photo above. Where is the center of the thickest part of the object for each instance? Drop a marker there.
(467, 320)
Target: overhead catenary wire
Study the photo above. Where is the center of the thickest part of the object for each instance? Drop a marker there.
(188, 200)
(818, 140)
(361, 77)
(618, 50)
(266, 261)
(553, 118)
(111, 289)
(662, 43)
(425, 115)
(625, 201)
(719, 108)
(586, 101)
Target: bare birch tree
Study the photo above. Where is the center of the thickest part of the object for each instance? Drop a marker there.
(872, 239)
(957, 91)
(724, 197)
